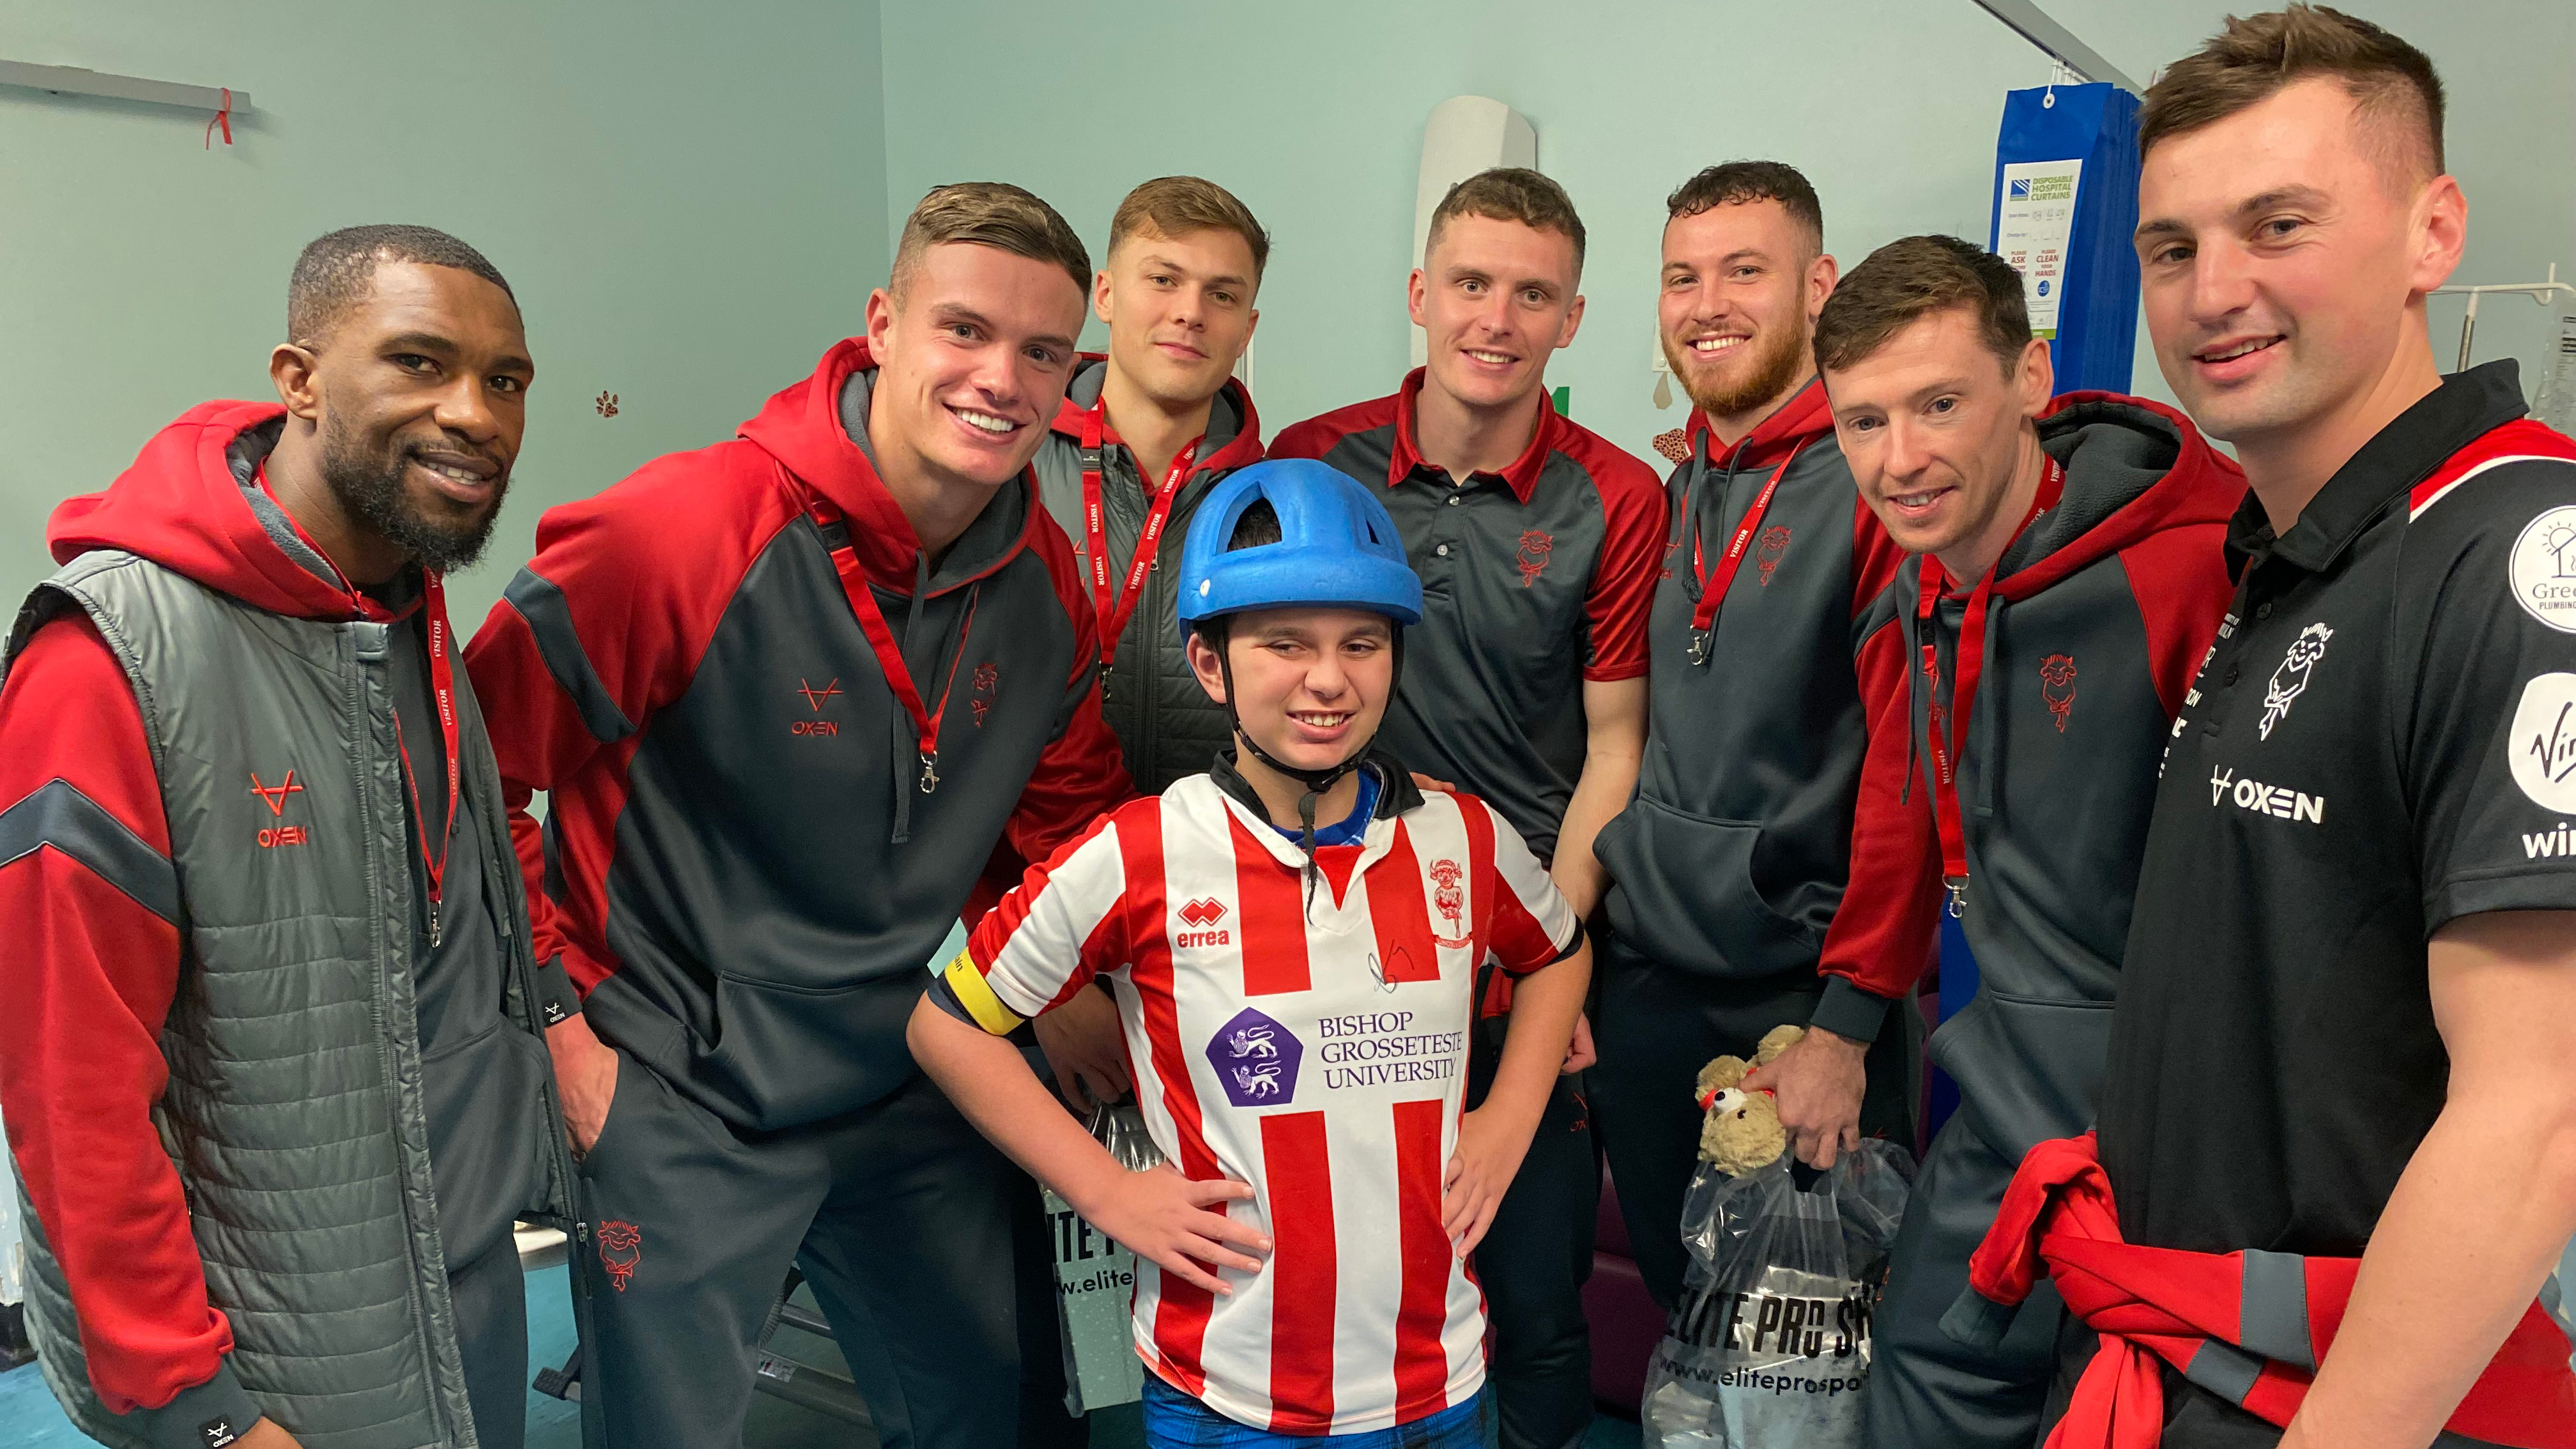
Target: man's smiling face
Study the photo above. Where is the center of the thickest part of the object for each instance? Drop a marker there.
(2276, 251)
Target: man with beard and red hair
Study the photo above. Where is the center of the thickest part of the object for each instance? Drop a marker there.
(269, 1023)
(1726, 903)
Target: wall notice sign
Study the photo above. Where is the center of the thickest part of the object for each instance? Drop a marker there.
(2037, 219)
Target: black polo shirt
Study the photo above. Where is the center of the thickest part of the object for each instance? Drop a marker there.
(1534, 580)
(2382, 739)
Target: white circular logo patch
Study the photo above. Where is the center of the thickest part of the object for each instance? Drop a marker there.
(2544, 569)
(2543, 742)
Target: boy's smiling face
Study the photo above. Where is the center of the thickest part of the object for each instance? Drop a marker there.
(1310, 685)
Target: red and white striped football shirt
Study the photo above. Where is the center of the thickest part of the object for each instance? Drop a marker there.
(1319, 1055)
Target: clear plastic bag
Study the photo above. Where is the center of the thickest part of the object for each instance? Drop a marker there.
(1770, 1344)
(1095, 1281)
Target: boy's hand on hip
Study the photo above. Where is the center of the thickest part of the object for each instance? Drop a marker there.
(1579, 1054)
(266, 1434)
(1168, 1219)
(585, 1078)
(1489, 1154)
(1084, 1047)
(1818, 1084)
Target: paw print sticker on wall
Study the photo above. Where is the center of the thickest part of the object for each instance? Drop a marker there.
(607, 404)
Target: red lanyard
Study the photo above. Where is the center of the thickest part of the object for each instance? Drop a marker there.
(1714, 582)
(1115, 608)
(1947, 743)
(442, 687)
(863, 603)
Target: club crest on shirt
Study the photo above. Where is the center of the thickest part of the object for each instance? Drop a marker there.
(2543, 742)
(2290, 678)
(1767, 551)
(1535, 548)
(2544, 569)
(1450, 898)
(1256, 1060)
(2057, 687)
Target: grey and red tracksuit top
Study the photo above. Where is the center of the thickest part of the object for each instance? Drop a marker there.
(2097, 616)
(1731, 861)
(1534, 580)
(739, 867)
(1166, 725)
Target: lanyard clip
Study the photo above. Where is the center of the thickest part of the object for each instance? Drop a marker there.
(1699, 645)
(929, 771)
(436, 935)
(1957, 885)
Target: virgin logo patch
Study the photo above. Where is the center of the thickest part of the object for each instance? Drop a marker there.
(1766, 553)
(1532, 558)
(621, 1247)
(2544, 742)
(2057, 687)
(217, 1433)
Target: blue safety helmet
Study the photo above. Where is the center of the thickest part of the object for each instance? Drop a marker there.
(1337, 548)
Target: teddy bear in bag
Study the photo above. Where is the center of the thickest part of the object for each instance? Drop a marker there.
(1742, 1130)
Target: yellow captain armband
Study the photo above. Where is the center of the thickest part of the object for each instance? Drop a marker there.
(976, 995)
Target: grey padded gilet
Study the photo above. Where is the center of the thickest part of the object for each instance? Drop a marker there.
(294, 1113)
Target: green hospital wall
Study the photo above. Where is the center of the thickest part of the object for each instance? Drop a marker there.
(689, 201)
(1313, 113)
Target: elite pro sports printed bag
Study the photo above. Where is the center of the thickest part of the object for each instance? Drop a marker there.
(1770, 1343)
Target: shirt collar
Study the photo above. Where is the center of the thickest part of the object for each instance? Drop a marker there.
(2467, 406)
(1521, 477)
(1801, 415)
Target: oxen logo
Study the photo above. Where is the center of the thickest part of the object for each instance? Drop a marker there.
(621, 1246)
(2057, 687)
(1256, 1060)
(2290, 680)
(1450, 900)
(1766, 552)
(1535, 549)
(988, 678)
(274, 797)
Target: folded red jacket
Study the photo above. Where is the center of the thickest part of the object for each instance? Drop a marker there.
(2248, 1326)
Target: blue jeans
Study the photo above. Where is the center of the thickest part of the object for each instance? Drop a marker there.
(1174, 1420)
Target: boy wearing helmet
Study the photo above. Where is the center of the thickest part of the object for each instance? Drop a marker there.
(1292, 940)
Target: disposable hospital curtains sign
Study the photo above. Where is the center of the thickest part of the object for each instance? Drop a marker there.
(1095, 1282)
(2037, 220)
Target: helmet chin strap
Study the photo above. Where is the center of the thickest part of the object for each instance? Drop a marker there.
(1315, 781)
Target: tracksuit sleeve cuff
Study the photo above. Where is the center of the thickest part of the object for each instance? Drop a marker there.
(1847, 1010)
(209, 1416)
(556, 999)
(1978, 1321)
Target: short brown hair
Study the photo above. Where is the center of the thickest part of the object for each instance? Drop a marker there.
(1175, 206)
(993, 214)
(1510, 193)
(1912, 278)
(2394, 90)
(1733, 183)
